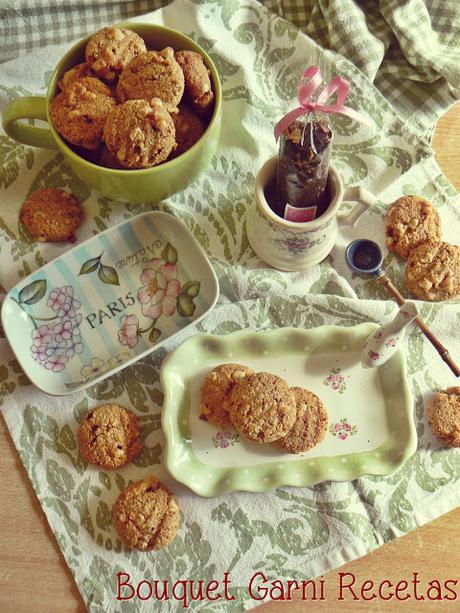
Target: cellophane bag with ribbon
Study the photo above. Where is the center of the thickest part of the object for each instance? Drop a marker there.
(305, 148)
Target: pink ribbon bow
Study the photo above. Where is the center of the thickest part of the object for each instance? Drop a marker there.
(306, 92)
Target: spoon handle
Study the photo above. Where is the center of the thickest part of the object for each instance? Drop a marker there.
(384, 280)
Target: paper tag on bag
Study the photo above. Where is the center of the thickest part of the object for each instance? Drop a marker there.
(292, 213)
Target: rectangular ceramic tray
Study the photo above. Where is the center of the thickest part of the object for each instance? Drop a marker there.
(108, 302)
(371, 429)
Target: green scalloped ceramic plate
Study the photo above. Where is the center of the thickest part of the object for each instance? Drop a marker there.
(371, 429)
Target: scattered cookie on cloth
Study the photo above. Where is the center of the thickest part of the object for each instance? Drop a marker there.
(198, 89)
(109, 436)
(146, 515)
(310, 425)
(216, 392)
(51, 215)
(262, 407)
(411, 221)
(80, 111)
(110, 49)
(444, 416)
(433, 271)
(154, 74)
(140, 134)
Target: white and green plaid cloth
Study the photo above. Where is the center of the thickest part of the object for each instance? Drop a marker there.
(288, 533)
(409, 49)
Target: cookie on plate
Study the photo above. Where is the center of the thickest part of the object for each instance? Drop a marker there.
(189, 128)
(198, 88)
(216, 391)
(433, 271)
(79, 112)
(109, 50)
(51, 215)
(310, 425)
(140, 134)
(411, 221)
(444, 416)
(109, 436)
(146, 515)
(262, 407)
(154, 74)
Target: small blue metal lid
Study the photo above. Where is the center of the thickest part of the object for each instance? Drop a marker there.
(364, 256)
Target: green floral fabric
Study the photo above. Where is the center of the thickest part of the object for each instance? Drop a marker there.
(287, 533)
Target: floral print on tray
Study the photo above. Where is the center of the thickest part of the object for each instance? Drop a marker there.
(342, 429)
(56, 335)
(224, 439)
(96, 366)
(161, 294)
(335, 380)
(58, 340)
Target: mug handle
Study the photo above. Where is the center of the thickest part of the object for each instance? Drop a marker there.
(363, 200)
(30, 107)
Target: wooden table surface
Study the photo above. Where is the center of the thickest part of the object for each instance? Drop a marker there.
(35, 578)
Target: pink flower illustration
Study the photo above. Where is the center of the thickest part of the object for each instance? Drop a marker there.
(374, 355)
(391, 342)
(161, 289)
(342, 429)
(335, 380)
(128, 332)
(224, 439)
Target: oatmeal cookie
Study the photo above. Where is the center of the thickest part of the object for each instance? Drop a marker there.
(107, 159)
(198, 88)
(110, 49)
(262, 407)
(433, 271)
(154, 74)
(79, 112)
(77, 73)
(146, 515)
(189, 128)
(411, 221)
(310, 425)
(444, 416)
(140, 134)
(216, 391)
(51, 215)
(109, 436)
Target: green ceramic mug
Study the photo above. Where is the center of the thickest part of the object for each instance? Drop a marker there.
(149, 184)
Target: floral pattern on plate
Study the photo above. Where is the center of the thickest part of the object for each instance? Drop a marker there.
(335, 380)
(342, 429)
(225, 438)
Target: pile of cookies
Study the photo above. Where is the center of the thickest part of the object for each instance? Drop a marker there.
(262, 407)
(413, 231)
(146, 514)
(128, 107)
